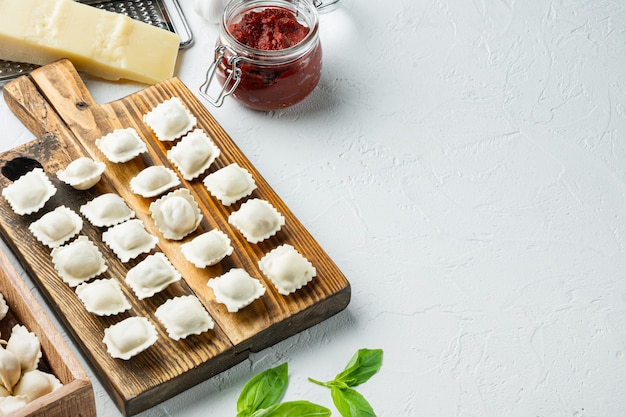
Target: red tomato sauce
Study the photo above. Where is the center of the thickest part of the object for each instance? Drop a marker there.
(270, 29)
(271, 87)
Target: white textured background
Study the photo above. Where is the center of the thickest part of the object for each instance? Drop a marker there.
(464, 163)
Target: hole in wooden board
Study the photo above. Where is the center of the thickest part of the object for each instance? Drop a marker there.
(19, 166)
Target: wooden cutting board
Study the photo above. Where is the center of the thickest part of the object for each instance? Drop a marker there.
(55, 105)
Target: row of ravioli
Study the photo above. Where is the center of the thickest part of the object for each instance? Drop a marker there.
(176, 215)
(81, 265)
(193, 154)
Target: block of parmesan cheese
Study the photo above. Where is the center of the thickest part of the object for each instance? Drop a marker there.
(98, 42)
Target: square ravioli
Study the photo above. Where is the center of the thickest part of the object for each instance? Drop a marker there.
(257, 220)
(194, 154)
(129, 337)
(103, 297)
(170, 120)
(207, 249)
(230, 183)
(287, 269)
(184, 316)
(56, 227)
(152, 275)
(121, 145)
(236, 289)
(129, 239)
(30, 192)
(107, 210)
(176, 214)
(78, 261)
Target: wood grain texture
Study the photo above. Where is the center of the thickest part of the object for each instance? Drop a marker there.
(56, 106)
(76, 396)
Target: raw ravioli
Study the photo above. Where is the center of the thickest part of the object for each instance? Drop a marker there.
(56, 227)
(154, 180)
(82, 173)
(103, 297)
(129, 337)
(29, 193)
(121, 145)
(152, 275)
(184, 316)
(207, 249)
(170, 120)
(129, 239)
(78, 261)
(287, 269)
(236, 289)
(194, 154)
(257, 220)
(107, 210)
(176, 214)
(230, 183)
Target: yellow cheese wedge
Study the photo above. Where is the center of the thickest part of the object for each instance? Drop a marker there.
(98, 42)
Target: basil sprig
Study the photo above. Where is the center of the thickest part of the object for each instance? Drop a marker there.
(261, 397)
(350, 403)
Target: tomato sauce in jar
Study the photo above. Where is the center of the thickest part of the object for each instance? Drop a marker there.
(268, 54)
(269, 29)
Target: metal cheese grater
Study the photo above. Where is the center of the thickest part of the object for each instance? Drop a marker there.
(165, 14)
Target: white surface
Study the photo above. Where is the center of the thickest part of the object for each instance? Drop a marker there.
(464, 163)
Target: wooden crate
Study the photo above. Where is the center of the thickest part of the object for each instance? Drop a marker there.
(75, 398)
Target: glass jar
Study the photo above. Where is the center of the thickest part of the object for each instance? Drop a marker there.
(259, 78)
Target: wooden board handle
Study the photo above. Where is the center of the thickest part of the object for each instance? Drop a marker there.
(30, 107)
(52, 100)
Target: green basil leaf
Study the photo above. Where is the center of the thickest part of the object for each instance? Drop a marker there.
(350, 403)
(294, 409)
(263, 390)
(363, 365)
